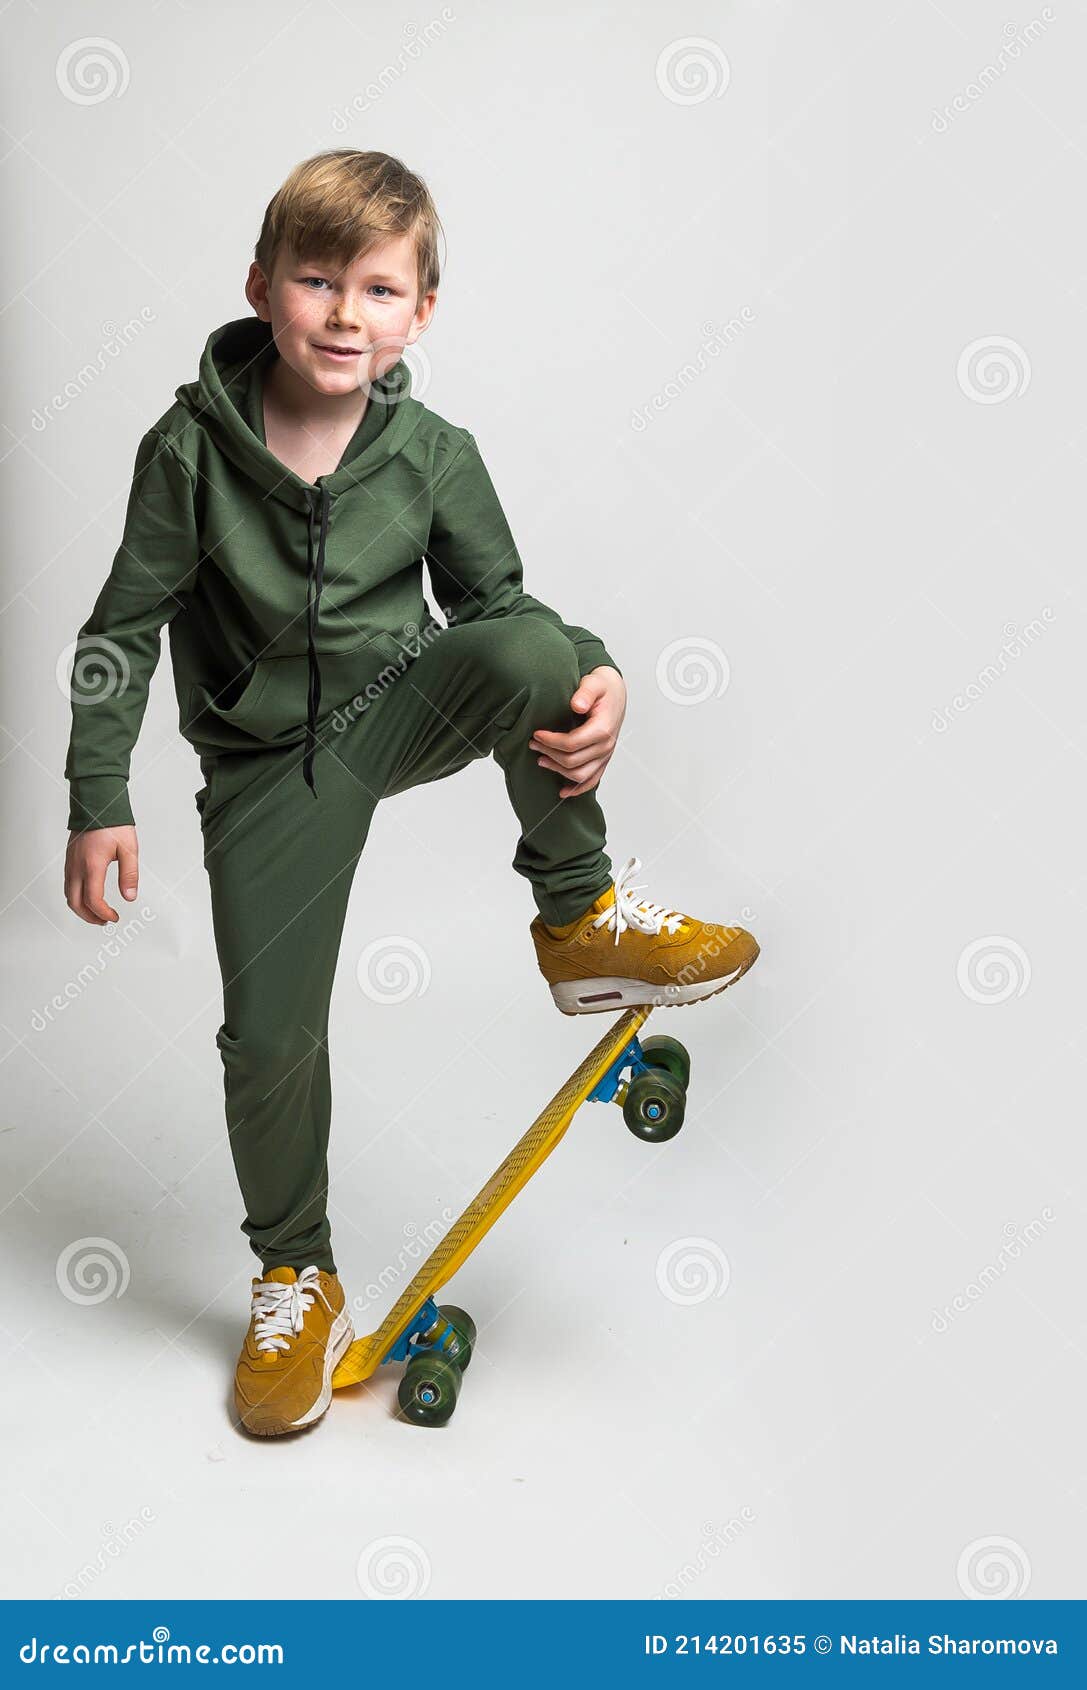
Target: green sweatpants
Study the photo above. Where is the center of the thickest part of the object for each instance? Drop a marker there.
(281, 863)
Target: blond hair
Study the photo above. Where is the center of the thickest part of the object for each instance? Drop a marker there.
(342, 203)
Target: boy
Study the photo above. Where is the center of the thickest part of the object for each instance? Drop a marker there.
(279, 515)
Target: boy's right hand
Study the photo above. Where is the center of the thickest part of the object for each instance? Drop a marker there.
(89, 856)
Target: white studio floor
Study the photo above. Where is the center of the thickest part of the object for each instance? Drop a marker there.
(716, 1367)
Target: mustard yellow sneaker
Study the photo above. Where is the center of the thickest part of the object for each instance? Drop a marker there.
(623, 951)
(298, 1330)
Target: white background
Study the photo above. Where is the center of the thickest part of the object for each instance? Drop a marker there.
(844, 507)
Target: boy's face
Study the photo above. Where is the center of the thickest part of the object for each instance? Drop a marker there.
(369, 308)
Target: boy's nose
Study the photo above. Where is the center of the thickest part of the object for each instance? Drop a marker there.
(348, 314)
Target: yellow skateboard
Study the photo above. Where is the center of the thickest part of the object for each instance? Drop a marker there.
(437, 1342)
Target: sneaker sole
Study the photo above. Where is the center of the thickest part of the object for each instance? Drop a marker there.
(611, 992)
(340, 1338)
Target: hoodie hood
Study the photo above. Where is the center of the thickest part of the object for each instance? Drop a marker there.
(227, 400)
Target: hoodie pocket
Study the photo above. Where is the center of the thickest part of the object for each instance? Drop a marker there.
(272, 705)
(250, 696)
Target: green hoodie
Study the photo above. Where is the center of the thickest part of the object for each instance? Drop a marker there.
(285, 599)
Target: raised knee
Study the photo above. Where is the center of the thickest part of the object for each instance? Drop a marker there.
(531, 652)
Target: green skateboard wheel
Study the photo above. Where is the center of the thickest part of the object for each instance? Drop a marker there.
(465, 1328)
(653, 1106)
(428, 1392)
(662, 1051)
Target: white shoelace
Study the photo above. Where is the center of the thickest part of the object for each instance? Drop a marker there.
(628, 911)
(281, 1309)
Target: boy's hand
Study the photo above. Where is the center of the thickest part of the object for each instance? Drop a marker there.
(88, 857)
(584, 753)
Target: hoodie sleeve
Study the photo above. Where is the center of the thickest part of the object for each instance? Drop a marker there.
(117, 648)
(474, 563)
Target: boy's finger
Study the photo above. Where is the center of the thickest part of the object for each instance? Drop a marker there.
(576, 791)
(581, 775)
(577, 739)
(94, 895)
(583, 771)
(574, 767)
(128, 870)
(586, 696)
(80, 904)
(576, 762)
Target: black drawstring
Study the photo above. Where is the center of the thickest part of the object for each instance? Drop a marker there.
(315, 575)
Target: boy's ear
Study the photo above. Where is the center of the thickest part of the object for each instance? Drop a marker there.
(256, 291)
(424, 311)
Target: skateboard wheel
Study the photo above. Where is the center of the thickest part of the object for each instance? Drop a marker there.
(653, 1106)
(465, 1328)
(662, 1051)
(428, 1392)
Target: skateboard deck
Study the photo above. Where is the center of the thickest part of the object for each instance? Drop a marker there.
(414, 1325)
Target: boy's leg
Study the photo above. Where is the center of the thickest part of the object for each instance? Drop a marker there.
(480, 689)
(281, 863)
(280, 866)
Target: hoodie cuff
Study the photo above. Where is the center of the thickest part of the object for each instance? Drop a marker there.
(594, 657)
(98, 801)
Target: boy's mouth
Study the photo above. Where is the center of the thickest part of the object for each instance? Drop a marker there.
(343, 353)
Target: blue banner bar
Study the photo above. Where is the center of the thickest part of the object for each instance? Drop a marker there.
(557, 1644)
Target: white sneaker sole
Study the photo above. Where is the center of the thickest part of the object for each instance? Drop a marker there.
(609, 992)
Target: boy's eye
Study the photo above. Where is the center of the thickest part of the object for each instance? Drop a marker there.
(322, 281)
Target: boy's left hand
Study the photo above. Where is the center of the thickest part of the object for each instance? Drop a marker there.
(584, 753)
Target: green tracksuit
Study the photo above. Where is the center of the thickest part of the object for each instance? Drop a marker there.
(313, 680)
